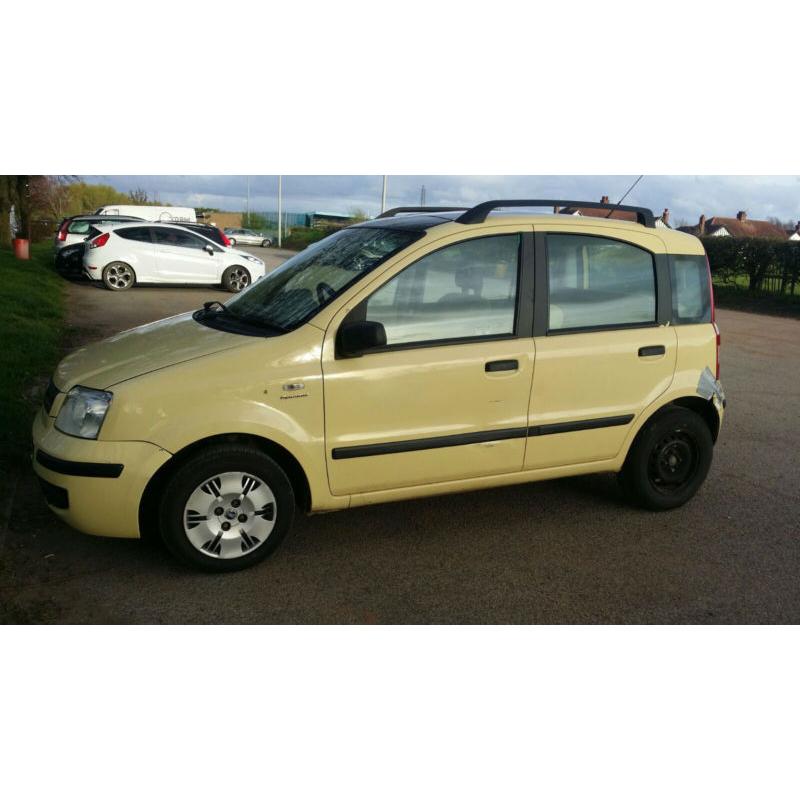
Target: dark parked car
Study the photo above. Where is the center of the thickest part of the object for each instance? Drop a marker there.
(209, 231)
(69, 260)
(72, 230)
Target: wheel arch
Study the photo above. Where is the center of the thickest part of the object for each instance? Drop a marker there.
(148, 506)
(705, 409)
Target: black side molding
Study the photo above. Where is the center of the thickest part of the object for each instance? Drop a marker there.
(82, 469)
(431, 443)
(581, 425)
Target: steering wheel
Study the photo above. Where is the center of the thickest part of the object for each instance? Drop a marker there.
(325, 289)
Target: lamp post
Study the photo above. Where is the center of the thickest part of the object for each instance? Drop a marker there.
(383, 194)
(280, 209)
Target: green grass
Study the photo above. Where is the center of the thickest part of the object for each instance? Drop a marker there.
(31, 328)
(739, 297)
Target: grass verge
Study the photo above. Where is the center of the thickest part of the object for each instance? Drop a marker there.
(740, 299)
(31, 327)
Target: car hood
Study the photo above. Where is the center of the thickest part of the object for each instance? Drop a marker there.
(141, 350)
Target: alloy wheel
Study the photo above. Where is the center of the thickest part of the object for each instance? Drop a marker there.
(229, 515)
(120, 276)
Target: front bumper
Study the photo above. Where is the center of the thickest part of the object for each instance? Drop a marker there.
(94, 486)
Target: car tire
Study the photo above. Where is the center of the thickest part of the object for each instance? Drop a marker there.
(266, 243)
(233, 485)
(232, 241)
(236, 278)
(118, 276)
(669, 460)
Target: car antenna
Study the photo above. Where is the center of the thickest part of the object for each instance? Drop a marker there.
(619, 202)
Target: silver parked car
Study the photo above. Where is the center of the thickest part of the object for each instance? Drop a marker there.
(246, 236)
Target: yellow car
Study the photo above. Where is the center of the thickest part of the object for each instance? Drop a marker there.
(423, 352)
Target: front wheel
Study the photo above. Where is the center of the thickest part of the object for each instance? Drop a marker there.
(232, 241)
(118, 276)
(234, 279)
(669, 460)
(226, 508)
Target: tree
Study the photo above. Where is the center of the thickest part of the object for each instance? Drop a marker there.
(7, 193)
(254, 220)
(138, 196)
(358, 215)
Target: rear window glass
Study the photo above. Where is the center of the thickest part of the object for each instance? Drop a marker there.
(691, 294)
(79, 226)
(136, 234)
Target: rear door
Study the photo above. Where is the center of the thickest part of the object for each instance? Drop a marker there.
(181, 257)
(604, 347)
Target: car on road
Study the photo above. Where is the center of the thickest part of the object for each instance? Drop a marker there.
(122, 255)
(416, 354)
(76, 229)
(246, 236)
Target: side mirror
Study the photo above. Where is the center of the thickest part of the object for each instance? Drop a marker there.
(357, 338)
(209, 249)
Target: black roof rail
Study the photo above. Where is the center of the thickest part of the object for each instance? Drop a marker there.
(644, 216)
(393, 212)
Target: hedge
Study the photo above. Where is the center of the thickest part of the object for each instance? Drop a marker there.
(765, 264)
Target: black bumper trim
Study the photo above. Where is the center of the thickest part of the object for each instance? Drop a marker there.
(54, 495)
(82, 469)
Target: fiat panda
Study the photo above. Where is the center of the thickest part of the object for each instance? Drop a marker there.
(430, 350)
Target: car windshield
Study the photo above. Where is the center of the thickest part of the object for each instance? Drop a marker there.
(305, 283)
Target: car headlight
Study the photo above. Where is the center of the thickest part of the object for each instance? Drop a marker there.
(255, 260)
(83, 412)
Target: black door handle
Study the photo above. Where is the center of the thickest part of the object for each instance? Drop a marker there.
(653, 350)
(502, 366)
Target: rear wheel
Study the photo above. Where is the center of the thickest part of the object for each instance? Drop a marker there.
(232, 240)
(266, 243)
(118, 276)
(226, 509)
(236, 278)
(669, 460)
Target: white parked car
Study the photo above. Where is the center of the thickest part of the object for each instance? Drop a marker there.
(122, 255)
(152, 213)
(246, 236)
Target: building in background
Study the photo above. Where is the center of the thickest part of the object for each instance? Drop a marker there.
(739, 227)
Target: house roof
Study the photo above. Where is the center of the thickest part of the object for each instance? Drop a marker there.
(695, 229)
(747, 228)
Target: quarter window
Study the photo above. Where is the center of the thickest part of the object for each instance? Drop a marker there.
(463, 291)
(691, 294)
(597, 282)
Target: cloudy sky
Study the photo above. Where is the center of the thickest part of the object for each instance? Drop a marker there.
(687, 196)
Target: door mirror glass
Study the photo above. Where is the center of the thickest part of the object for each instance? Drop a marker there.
(209, 249)
(356, 338)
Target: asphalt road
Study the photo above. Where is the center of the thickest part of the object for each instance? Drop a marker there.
(567, 551)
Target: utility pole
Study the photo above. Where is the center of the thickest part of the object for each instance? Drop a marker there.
(422, 196)
(247, 213)
(280, 209)
(383, 195)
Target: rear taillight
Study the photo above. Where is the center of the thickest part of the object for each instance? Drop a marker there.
(713, 311)
(62, 231)
(225, 240)
(99, 241)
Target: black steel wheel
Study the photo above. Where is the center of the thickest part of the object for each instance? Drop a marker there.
(669, 460)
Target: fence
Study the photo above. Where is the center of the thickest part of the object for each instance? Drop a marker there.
(760, 266)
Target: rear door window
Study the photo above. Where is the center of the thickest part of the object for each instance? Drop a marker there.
(595, 282)
(79, 226)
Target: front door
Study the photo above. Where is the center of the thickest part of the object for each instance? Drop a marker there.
(602, 356)
(447, 397)
(181, 257)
